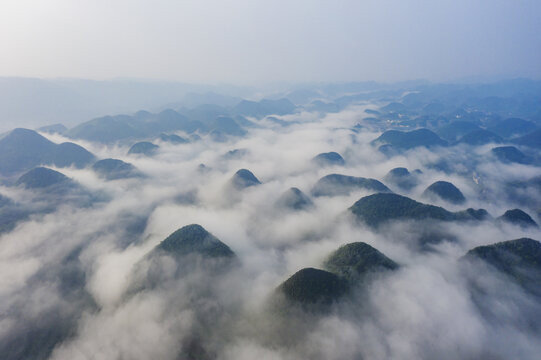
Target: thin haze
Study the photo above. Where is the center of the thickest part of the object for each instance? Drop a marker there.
(250, 41)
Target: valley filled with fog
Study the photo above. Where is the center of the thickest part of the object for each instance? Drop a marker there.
(334, 221)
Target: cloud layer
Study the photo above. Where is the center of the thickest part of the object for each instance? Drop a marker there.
(74, 267)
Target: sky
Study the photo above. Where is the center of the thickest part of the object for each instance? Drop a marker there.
(246, 42)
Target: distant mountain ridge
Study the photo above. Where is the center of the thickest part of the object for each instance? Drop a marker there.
(123, 127)
(409, 140)
(205, 118)
(24, 149)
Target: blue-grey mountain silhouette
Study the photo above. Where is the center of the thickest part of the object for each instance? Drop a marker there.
(480, 137)
(143, 148)
(329, 159)
(517, 217)
(23, 149)
(445, 191)
(244, 178)
(112, 169)
(411, 139)
(510, 154)
(294, 199)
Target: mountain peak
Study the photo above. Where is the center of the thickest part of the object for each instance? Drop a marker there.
(338, 184)
(143, 148)
(357, 259)
(445, 191)
(194, 239)
(311, 286)
(42, 177)
(244, 178)
(294, 199)
(329, 159)
(518, 217)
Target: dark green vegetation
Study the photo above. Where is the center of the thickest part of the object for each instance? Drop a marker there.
(143, 148)
(24, 149)
(480, 137)
(41, 177)
(512, 127)
(311, 286)
(401, 178)
(206, 312)
(349, 266)
(475, 214)
(517, 217)
(112, 169)
(445, 191)
(376, 209)
(336, 184)
(510, 154)
(353, 261)
(188, 251)
(199, 262)
(294, 199)
(194, 239)
(244, 178)
(329, 159)
(411, 139)
(520, 259)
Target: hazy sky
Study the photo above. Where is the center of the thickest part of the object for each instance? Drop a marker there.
(270, 40)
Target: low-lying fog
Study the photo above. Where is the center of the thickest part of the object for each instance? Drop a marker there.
(423, 310)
